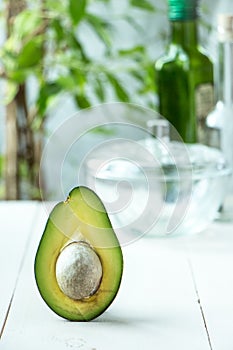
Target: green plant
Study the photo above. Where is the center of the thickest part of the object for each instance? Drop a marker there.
(45, 42)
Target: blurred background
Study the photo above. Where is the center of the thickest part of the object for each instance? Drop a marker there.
(58, 57)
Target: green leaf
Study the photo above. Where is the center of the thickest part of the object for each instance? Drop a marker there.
(80, 79)
(11, 91)
(67, 82)
(48, 91)
(143, 4)
(56, 8)
(136, 49)
(56, 25)
(31, 53)
(76, 45)
(19, 75)
(82, 101)
(77, 9)
(120, 91)
(134, 24)
(8, 59)
(103, 130)
(26, 22)
(139, 75)
(99, 90)
(99, 26)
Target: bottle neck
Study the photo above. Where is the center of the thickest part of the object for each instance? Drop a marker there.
(225, 74)
(184, 33)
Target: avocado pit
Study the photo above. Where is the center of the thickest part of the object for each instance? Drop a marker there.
(78, 270)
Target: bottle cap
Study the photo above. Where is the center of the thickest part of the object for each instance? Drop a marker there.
(225, 27)
(183, 9)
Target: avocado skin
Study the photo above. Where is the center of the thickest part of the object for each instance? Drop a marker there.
(82, 213)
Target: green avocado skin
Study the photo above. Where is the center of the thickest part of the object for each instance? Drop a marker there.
(82, 217)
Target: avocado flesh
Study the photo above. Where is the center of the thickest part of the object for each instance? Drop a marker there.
(82, 217)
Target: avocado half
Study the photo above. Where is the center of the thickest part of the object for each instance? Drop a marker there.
(79, 262)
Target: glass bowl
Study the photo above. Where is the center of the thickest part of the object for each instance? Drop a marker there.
(156, 187)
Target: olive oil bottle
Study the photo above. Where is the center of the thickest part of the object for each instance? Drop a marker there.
(184, 74)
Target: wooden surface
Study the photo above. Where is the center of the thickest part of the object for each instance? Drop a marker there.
(175, 293)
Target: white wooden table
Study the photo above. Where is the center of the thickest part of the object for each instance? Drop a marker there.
(175, 294)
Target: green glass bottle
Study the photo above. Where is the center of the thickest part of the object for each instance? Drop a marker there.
(184, 75)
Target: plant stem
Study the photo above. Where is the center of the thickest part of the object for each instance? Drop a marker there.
(14, 7)
(23, 147)
(11, 163)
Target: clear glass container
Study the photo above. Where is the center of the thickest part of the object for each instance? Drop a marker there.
(220, 120)
(155, 187)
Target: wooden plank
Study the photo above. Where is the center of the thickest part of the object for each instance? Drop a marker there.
(16, 220)
(155, 308)
(213, 273)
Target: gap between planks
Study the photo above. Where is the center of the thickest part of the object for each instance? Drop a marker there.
(199, 303)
